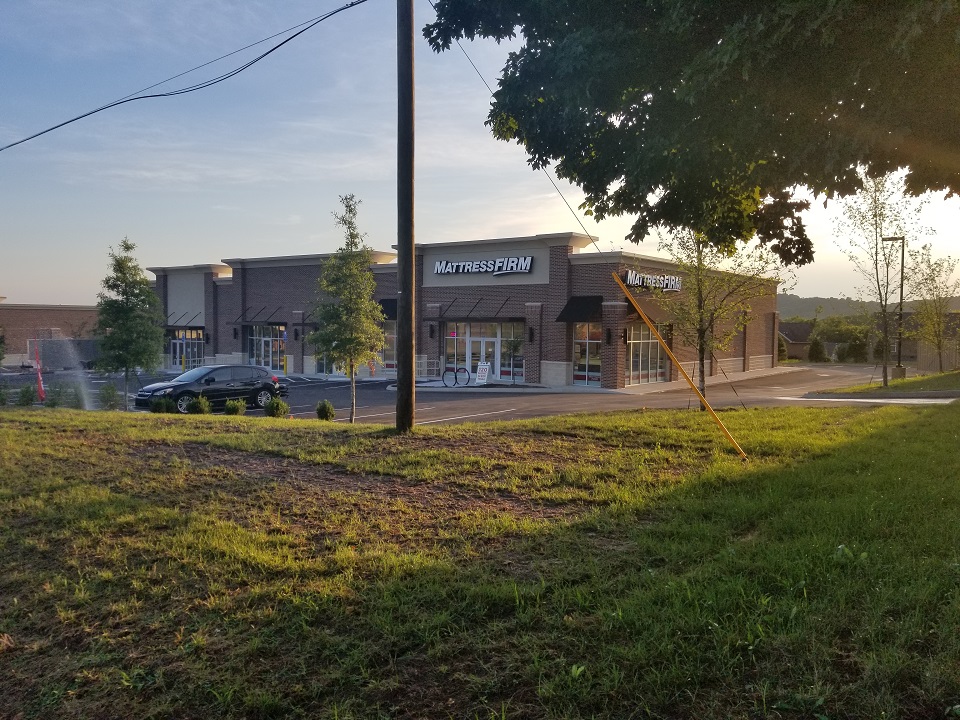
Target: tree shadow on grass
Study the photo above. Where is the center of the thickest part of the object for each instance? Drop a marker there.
(826, 585)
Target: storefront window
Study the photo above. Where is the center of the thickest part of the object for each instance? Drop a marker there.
(500, 344)
(511, 351)
(455, 346)
(647, 362)
(586, 353)
(186, 349)
(267, 346)
(389, 354)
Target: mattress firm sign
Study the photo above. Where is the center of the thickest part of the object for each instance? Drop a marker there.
(495, 267)
(500, 266)
(667, 283)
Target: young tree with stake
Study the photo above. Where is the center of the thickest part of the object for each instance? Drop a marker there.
(129, 318)
(718, 286)
(350, 320)
(932, 283)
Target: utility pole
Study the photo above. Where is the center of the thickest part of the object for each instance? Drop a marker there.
(406, 282)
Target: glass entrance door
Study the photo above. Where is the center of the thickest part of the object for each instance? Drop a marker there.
(186, 349)
(268, 346)
(484, 351)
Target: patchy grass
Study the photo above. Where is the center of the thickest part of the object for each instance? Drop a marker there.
(591, 566)
(938, 382)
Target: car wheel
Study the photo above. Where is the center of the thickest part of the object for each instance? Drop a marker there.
(262, 397)
(183, 403)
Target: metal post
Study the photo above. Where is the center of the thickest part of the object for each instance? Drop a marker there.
(406, 306)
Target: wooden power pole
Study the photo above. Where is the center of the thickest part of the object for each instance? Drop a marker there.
(406, 281)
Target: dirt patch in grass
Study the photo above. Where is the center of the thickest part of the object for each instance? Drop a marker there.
(314, 499)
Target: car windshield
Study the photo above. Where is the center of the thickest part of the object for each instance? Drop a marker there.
(192, 375)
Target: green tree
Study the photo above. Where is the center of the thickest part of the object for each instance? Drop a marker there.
(850, 333)
(718, 287)
(350, 320)
(817, 353)
(705, 115)
(881, 210)
(129, 318)
(933, 285)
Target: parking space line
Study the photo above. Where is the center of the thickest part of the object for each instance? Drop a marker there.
(465, 417)
(392, 412)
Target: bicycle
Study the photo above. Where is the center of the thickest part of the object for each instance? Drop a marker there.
(453, 377)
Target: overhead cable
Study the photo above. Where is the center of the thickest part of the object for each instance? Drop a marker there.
(201, 85)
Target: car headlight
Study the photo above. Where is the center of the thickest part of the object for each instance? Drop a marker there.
(166, 391)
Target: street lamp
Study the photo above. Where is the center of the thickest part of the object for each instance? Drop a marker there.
(901, 373)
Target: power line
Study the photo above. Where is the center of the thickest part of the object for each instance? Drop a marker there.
(307, 25)
(573, 212)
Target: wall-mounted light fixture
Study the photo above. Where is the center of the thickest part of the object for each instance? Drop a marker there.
(433, 330)
(296, 334)
(206, 338)
(235, 334)
(530, 335)
(609, 336)
(623, 336)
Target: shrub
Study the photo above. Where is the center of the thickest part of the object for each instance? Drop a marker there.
(27, 396)
(781, 349)
(74, 397)
(4, 395)
(64, 396)
(109, 397)
(199, 406)
(276, 408)
(163, 405)
(325, 410)
(54, 396)
(817, 351)
(235, 407)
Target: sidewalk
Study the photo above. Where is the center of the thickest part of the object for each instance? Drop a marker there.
(436, 385)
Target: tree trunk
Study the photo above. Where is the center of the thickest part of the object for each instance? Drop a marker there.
(353, 392)
(702, 366)
(886, 350)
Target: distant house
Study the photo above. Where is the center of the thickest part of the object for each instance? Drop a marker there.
(796, 336)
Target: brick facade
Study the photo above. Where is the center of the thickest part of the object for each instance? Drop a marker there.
(20, 323)
(282, 291)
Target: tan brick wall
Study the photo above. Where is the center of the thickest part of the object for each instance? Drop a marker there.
(20, 323)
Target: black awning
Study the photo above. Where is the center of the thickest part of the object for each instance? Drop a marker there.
(389, 308)
(582, 308)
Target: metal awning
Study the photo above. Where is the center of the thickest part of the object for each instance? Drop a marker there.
(389, 308)
(582, 308)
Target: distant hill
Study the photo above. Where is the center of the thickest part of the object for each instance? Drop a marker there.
(790, 306)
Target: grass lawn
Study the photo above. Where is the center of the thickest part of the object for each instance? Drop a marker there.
(623, 565)
(948, 381)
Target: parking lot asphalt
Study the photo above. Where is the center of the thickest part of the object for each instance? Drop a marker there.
(376, 398)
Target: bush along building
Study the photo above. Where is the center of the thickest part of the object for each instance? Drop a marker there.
(538, 309)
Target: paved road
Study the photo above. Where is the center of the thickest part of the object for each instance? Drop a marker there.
(376, 399)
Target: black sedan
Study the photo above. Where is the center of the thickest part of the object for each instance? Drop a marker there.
(218, 383)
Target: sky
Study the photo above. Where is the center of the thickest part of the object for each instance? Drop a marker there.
(255, 166)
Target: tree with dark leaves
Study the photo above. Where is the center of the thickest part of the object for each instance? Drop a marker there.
(705, 115)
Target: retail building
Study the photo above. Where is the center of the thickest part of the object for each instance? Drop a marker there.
(538, 309)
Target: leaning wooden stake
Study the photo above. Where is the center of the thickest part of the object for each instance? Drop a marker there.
(643, 316)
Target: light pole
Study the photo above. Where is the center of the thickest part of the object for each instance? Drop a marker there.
(901, 371)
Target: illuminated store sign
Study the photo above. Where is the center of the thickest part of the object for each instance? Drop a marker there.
(500, 266)
(667, 283)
